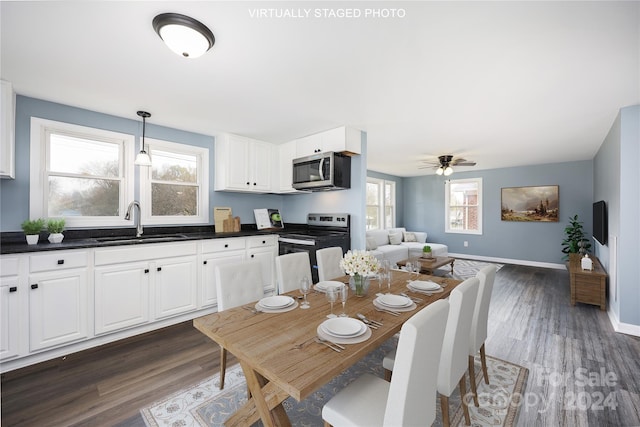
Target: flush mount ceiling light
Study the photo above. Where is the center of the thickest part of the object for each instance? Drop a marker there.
(143, 159)
(184, 35)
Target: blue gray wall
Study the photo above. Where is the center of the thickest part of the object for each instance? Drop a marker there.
(617, 182)
(14, 193)
(536, 242)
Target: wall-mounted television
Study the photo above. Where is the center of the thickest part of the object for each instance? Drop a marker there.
(600, 222)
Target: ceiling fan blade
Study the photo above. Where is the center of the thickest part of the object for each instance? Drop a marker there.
(463, 162)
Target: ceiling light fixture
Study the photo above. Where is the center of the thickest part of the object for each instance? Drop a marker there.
(143, 159)
(184, 35)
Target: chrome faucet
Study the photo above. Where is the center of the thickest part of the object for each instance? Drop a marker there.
(127, 216)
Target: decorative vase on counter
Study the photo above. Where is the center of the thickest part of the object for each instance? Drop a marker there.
(56, 237)
(32, 239)
(359, 284)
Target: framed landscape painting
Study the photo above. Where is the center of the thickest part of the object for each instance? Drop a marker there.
(539, 204)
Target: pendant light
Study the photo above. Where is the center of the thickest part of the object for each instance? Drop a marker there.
(143, 159)
(184, 35)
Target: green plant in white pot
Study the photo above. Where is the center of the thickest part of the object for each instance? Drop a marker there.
(55, 227)
(426, 252)
(32, 229)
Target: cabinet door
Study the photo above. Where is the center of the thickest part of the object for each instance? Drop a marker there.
(121, 296)
(9, 317)
(309, 145)
(238, 163)
(260, 166)
(208, 296)
(267, 258)
(57, 308)
(175, 286)
(7, 126)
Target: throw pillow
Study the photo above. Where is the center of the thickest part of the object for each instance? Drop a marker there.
(395, 238)
(371, 244)
(410, 237)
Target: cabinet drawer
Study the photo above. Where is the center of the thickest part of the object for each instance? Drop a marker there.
(588, 280)
(57, 261)
(9, 266)
(222, 245)
(148, 252)
(261, 241)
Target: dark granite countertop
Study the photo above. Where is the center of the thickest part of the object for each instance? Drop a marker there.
(15, 242)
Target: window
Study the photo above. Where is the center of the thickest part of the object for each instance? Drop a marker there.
(82, 174)
(381, 204)
(463, 205)
(174, 189)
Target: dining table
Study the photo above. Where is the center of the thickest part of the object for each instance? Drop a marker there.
(280, 355)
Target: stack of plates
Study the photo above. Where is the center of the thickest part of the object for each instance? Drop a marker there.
(344, 330)
(276, 304)
(424, 286)
(393, 302)
(322, 286)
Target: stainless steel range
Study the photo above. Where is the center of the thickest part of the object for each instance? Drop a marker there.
(322, 231)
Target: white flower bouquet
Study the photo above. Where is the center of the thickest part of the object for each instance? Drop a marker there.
(359, 263)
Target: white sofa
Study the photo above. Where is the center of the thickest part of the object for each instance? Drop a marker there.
(392, 244)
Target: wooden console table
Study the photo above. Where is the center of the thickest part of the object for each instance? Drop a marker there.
(587, 286)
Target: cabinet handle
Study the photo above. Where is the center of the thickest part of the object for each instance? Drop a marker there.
(248, 183)
(34, 286)
(13, 289)
(159, 269)
(254, 183)
(252, 255)
(146, 270)
(60, 261)
(226, 245)
(204, 262)
(264, 242)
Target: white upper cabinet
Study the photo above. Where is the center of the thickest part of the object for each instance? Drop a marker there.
(286, 154)
(342, 139)
(242, 164)
(7, 129)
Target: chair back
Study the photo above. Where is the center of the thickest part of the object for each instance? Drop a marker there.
(412, 393)
(238, 284)
(455, 355)
(329, 263)
(486, 276)
(290, 269)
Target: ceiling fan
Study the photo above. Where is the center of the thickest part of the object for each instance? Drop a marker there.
(444, 164)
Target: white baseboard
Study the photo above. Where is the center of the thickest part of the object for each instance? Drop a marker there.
(623, 328)
(510, 261)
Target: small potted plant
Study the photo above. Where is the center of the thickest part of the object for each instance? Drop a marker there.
(32, 228)
(426, 252)
(55, 227)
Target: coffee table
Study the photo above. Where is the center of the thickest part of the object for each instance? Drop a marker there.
(428, 265)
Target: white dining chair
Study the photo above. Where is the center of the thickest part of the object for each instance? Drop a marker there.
(478, 335)
(290, 269)
(329, 263)
(410, 398)
(237, 284)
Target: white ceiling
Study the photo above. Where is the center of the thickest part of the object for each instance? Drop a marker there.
(501, 83)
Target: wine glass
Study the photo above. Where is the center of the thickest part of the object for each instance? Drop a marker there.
(417, 266)
(305, 288)
(344, 294)
(388, 279)
(408, 267)
(332, 296)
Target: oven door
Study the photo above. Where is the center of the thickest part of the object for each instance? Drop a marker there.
(313, 171)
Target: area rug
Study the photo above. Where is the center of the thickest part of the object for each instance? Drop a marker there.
(464, 268)
(204, 405)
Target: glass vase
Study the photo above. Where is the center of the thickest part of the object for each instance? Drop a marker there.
(359, 285)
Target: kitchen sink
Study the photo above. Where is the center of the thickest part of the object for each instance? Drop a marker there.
(143, 238)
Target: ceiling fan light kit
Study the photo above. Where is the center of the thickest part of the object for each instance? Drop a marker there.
(445, 162)
(184, 35)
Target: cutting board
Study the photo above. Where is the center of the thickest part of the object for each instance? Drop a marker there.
(231, 224)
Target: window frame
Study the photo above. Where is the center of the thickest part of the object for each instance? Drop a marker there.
(202, 182)
(381, 183)
(39, 170)
(447, 206)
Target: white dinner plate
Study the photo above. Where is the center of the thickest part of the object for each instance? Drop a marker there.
(277, 301)
(424, 285)
(344, 327)
(394, 301)
(322, 286)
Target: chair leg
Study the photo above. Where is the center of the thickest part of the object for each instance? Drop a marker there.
(465, 407)
(472, 381)
(223, 365)
(326, 424)
(444, 406)
(483, 360)
(387, 375)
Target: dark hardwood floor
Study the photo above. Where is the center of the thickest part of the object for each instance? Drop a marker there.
(579, 367)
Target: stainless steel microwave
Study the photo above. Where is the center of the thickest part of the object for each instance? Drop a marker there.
(322, 172)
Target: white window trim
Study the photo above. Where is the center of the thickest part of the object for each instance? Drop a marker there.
(446, 206)
(38, 188)
(203, 185)
(381, 202)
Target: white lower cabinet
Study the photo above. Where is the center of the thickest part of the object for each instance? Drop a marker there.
(208, 295)
(58, 303)
(175, 286)
(121, 296)
(9, 308)
(265, 250)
